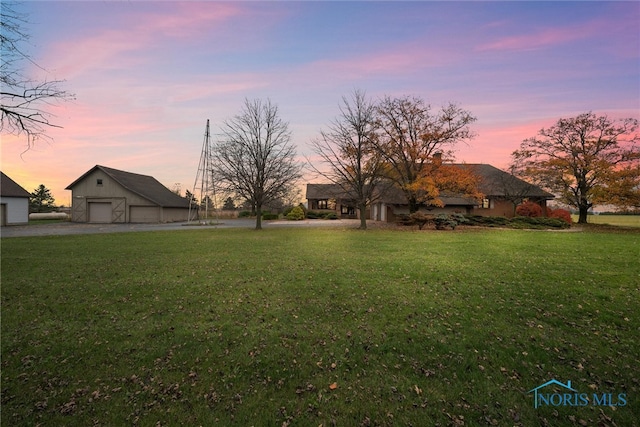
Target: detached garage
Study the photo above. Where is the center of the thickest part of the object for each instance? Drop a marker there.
(106, 195)
(14, 202)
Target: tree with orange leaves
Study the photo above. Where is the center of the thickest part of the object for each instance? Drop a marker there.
(585, 160)
(412, 139)
(438, 179)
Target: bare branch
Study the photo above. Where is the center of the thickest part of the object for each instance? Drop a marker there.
(23, 102)
(411, 135)
(255, 159)
(348, 155)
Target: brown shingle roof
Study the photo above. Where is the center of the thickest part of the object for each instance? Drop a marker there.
(143, 185)
(10, 188)
(326, 191)
(496, 182)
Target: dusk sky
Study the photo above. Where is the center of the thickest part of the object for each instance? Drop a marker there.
(147, 75)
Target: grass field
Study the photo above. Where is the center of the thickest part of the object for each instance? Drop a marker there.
(309, 327)
(618, 220)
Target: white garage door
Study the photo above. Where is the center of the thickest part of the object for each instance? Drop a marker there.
(144, 214)
(99, 212)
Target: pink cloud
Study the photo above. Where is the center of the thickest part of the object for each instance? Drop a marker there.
(400, 60)
(144, 34)
(544, 37)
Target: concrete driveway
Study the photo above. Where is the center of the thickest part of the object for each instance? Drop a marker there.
(67, 228)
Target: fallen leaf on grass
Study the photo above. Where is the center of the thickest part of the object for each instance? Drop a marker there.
(333, 386)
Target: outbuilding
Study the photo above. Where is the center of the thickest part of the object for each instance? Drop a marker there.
(107, 195)
(14, 202)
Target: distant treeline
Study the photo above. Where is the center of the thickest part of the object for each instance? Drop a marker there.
(631, 212)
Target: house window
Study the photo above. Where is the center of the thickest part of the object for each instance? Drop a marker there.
(99, 182)
(486, 204)
(347, 210)
(322, 204)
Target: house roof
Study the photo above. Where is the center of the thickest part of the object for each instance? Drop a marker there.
(143, 185)
(326, 191)
(10, 188)
(496, 182)
(493, 183)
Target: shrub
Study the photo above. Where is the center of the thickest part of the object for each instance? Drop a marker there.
(286, 210)
(269, 216)
(403, 219)
(420, 219)
(244, 214)
(331, 215)
(530, 209)
(296, 214)
(562, 214)
(517, 222)
(444, 220)
(487, 221)
(540, 223)
(315, 215)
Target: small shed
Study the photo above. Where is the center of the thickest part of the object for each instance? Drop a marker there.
(14, 202)
(107, 195)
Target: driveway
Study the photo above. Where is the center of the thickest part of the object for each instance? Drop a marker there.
(67, 228)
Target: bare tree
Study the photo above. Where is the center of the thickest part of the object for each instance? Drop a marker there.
(413, 141)
(254, 158)
(23, 101)
(348, 155)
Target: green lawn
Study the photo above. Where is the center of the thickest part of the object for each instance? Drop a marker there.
(309, 327)
(617, 220)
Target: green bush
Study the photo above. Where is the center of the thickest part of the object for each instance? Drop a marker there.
(331, 215)
(487, 221)
(520, 222)
(244, 214)
(540, 222)
(444, 221)
(296, 214)
(315, 214)
(269, 216)
(286, 211)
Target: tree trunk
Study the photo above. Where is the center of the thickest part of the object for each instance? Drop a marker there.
(413, 204)
(258, 217)
(583, 210)
(363, 218)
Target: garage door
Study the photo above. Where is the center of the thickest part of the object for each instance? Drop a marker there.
(144, 214)
(99, 212)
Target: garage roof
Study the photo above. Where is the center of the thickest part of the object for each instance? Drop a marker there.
(143, 185)
(10, 188)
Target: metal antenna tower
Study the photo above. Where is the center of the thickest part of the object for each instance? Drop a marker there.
(204, 186)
